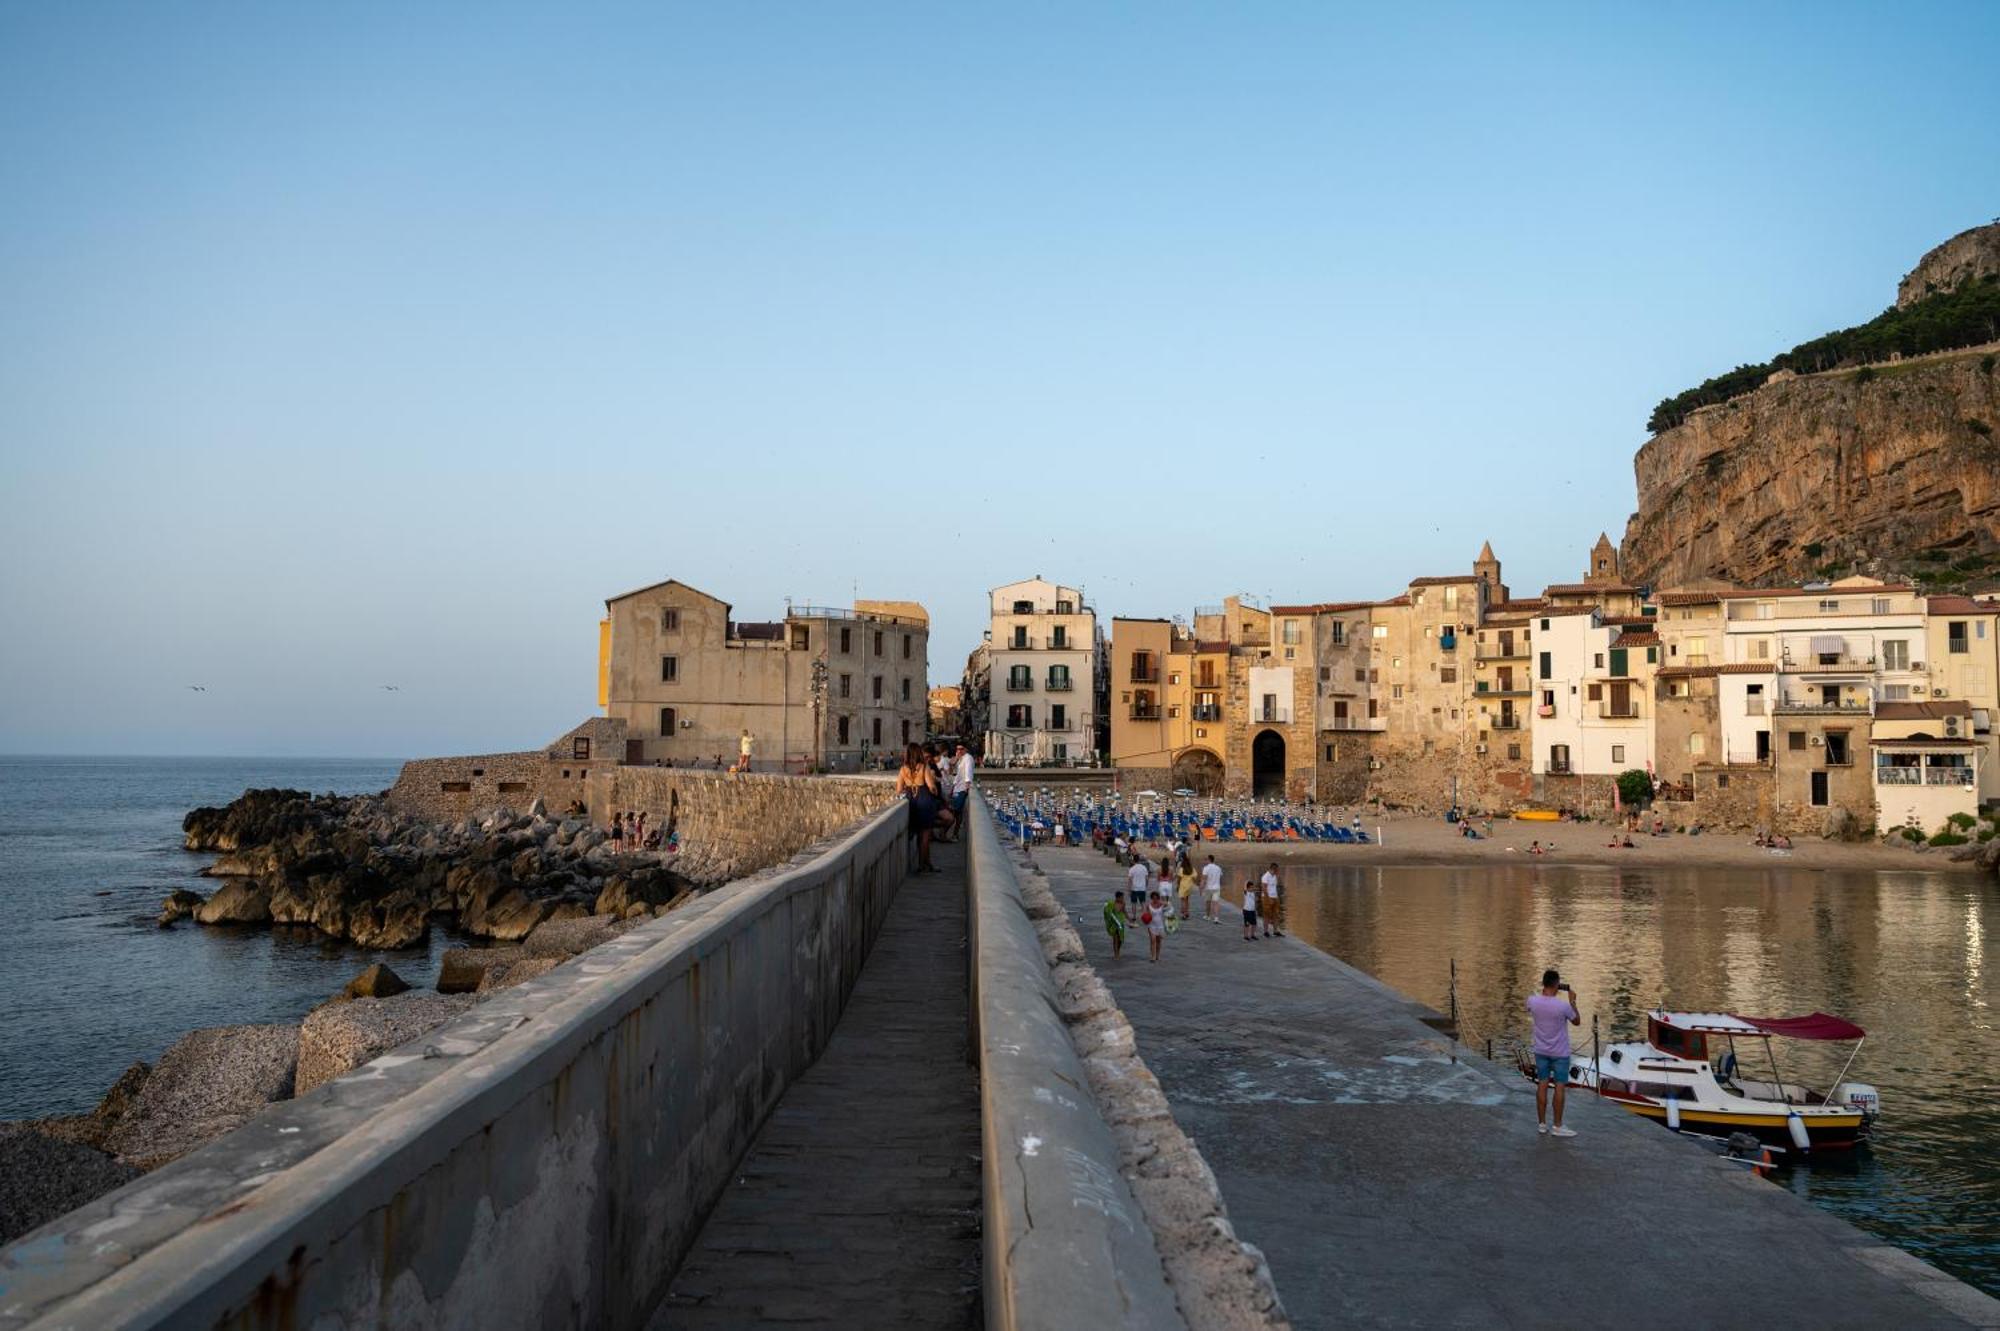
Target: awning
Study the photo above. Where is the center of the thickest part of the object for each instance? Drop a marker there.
(1818, 1026)
(1829, 644)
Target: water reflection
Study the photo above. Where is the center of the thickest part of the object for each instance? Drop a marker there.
(1902, 954)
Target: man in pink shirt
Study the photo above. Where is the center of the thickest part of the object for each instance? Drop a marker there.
(1554, 1012)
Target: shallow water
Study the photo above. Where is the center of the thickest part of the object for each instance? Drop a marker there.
(88, 848)
(1902, 954)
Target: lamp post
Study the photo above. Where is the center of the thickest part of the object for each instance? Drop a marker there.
(818, 690)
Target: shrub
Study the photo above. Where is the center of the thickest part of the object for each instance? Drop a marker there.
(1948, 839)
(1962, 821)
(1814, 549)
(1988, 833)
(1634, 786)
(1913, 833)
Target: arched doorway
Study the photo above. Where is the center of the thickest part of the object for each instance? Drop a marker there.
(1198, 770)
(1267, 765)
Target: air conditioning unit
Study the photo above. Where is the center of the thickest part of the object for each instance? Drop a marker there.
(1951, 727)
(1817, 742)
(1916, 665)
(1374, 764)
(1479, 748)
(1939, 692)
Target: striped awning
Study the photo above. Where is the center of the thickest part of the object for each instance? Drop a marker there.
(1828, 644)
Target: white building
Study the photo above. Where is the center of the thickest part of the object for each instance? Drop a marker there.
(1045, 666)
(1592, 711)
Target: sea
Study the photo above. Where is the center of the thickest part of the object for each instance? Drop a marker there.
(89, 847)
(1901, 953)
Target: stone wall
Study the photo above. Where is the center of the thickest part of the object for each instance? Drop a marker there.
(444, 790)
(545, 1160)
(732, 823)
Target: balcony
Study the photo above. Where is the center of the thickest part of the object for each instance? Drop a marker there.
(1148, 675)
(1606, 712)
(1020, 684)
(1020, 723)
(1479, 687)
(1546, 709)
(1144, 714)
(1061, 724)
(1558, 769)
(1276, 716)
(1826, 664)
(1209, 712)
(1374, 724)
(1925, 776)
(1505, 721)
(1498, 653)
(1801, 707)
(1058, 684)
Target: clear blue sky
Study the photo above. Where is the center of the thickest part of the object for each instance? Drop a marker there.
(354, 345)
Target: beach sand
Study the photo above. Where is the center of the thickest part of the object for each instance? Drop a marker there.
(1429, 839)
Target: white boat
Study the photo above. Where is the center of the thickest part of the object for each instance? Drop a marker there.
(1690, 1074)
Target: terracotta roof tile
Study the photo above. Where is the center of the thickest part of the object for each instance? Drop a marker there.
(1439, 582)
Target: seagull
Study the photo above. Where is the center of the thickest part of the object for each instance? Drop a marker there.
(392, 688)
(198, 688)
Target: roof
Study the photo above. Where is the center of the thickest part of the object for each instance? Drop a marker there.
(1439, 582)
(1689, 672)
(1642, 638)
(1747, 668)
(1587, 588)
(1960, 605)
(764, 631)
(1753, 593)
(1486, 551)
(1968, 744)
(1518, 603)
(664, 582)
(1321, 608)
(1921, 711)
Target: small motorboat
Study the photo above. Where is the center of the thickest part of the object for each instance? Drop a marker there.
(1687, 1074)
(1538, 815)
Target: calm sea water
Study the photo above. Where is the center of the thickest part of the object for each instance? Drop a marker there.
(88, 848)
(1902, 954)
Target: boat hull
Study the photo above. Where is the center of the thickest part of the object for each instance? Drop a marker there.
(1825, 1132)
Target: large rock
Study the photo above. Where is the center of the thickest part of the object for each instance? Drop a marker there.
(461, 969)
(239, 901)
(180, 904)
(209, 1083)
(519, 972)
(42, 1177)
(562, 939)
(378, 981)
(340, 1037)
(400, 919)
(1966, 257)
(95, 1128)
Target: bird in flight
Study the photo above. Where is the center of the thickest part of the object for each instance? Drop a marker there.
(198, 688)
(392, 688)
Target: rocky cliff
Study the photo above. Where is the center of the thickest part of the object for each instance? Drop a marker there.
(1892, 469)
(1967, 256)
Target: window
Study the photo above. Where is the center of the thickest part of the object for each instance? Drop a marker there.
(1360, 675)
(906, 731)
(1447, 674)
(1065, 607)
(1838, 754)
(1597, 660)
(1451, 598)
(1396, 661)
(1514, 752)
(801, 638)
(875, 688)
(1545, 626)
(846, 685)
(1325, 675)
(878, 642)
(1829, 607)
(1896, 654)
(1329, 753)
(670, 620)
(840, 728)
(1059, 717)
(1548, 697)
(1547, 666)
(1558, 757)
(1020, 637)
(1290, 632)
(1652, 656)
(1954, 637)
(1760, 650)
(1596, 692)
(1698, 650)
(1396, 691)
(1697, 744)
(1028, 607)
(846, 641)
(1795, 740)
(669, 719)
(1339, 633)
(455, 787)
(1372, 710)
(1617, 753)
(906, 646)
(875, 731)
(670, 670)
(1339, 710)
(1381, 630)
(1879, 606)
(1896, 693)
(1721, 778)
(1059, 636)
(579, 748)
(906, 690)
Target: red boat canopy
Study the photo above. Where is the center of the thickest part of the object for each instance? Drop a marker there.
(1818, 1026)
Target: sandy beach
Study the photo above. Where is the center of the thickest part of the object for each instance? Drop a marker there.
(1428, 839)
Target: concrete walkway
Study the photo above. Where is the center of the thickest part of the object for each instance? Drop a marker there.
(858, 1204)
(1393, 1187)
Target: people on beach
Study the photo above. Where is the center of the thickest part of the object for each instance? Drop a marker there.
(1211, 890)
(1156, 924)
(1250, 910)
(1184, 887)
(1535, 848)
(1115, 921)
(1553, 1011)
(917, 783)
(1135, 879)
(1272, 910)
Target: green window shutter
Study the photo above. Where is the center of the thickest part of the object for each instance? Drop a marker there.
(1618, 662)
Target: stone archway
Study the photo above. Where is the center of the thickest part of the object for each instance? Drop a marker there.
(1267, 765)
(1198, 770)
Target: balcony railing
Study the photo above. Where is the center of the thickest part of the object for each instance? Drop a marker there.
(1501, 654)
(1058, 684)
(1021, 684)
(1371, 723)
(1277, 716)
(1828, 664)
(1020, 723)
(1924, 776)
(1207, 713)
(1145, 713)
(1506, 721)
(1609, 713)
(1149, 675)
(1800, 707)
(1060, 723)
(1848, 605)
(1559, 769)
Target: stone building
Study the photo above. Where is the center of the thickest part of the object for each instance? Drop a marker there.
(839, 689)
(1593, 705)
(944, 710)
(1046, 671)
(1687, 717)
(975, 694)
(1337, 655)
(447, 789)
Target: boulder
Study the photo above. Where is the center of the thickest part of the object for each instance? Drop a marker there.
(565, 938)
(180, 904)
(207, 1084)
(94, 1128)
(519, 972)
(511, 918)
(43, 1177)
(400, 919)
(340, 1037)
(538, 807)
(462, 968)
(378, 981)
(240, 901)
(1840, 825)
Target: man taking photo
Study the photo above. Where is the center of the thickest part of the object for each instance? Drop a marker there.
(1554, 1012)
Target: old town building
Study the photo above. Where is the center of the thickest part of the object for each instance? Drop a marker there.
(1046, 675)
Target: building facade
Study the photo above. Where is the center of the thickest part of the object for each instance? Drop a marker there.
(1046, 669)
(823, 688)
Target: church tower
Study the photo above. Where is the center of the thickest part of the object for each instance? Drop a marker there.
(1603, 562)
(1487, 569)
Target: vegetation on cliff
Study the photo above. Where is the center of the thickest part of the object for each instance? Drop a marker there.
(1964, 317)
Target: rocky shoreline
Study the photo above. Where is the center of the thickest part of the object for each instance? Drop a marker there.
(543, 889)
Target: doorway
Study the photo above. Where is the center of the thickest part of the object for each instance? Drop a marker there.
(1267, 765)
(1819, 790)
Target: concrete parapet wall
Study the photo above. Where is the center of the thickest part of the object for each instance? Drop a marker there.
(735, 823)
(1066, 1243)
(545, 1160)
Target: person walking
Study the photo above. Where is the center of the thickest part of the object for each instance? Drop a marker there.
(1115, 921)
(1135, 880)
(1553, 1011)
(917, 783)
(961, 780)
(1184, 888)
(1211, 890)
(1155, 919)
(1272, 910)
(1249, 910)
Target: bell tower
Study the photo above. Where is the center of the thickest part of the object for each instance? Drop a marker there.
(1603, 561)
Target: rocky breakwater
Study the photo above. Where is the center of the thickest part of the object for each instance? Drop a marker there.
(355, 868)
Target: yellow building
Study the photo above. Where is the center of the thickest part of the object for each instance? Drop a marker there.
(1962, 649)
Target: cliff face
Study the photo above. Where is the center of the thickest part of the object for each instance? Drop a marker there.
(1894, 470)
(1967, 255)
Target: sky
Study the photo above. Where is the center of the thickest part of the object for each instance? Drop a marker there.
(352, 346)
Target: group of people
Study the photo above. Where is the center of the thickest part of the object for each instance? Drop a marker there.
(1157, 900)
(629, 832)
(936, 783)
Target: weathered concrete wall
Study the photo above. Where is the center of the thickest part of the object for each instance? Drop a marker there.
(731, 823)
(445, 790)
(1066, 1244)
(543, 1161)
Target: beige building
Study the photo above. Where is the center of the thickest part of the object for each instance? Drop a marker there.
(944, 709)
(827, 688)
(1044, 653)
(1962, 651)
